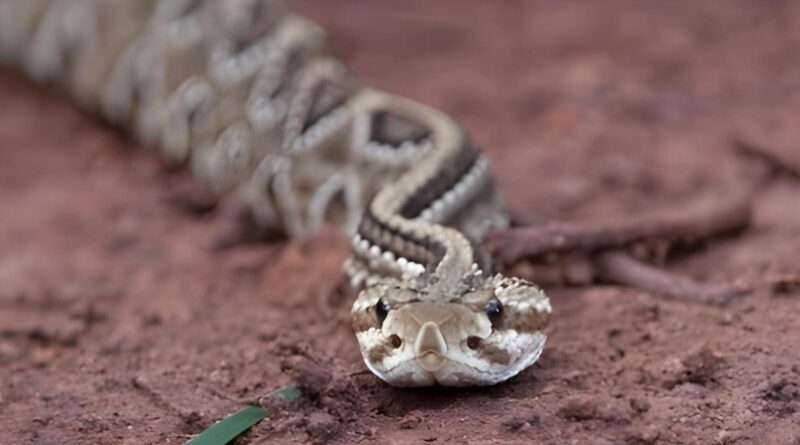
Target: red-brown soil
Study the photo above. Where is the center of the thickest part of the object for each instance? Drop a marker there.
(119, 325)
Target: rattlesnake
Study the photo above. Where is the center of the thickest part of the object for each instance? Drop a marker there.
(246, 94)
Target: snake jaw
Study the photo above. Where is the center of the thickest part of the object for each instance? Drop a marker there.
(431, 362)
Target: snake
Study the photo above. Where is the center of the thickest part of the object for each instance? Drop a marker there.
(248, 97)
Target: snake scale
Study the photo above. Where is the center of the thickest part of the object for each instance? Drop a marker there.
(246, 95)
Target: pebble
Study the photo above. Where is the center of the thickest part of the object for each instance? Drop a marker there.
(410, 421)
(589, 407)
(42, 356)
(523, 420)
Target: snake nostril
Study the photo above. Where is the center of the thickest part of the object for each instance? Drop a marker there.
(395, 341)
(473, 342)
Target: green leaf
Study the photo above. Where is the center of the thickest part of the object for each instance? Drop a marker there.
(228, 428)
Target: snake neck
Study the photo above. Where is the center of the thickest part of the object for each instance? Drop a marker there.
(423, 225)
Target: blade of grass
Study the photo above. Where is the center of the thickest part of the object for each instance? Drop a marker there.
(228, 428)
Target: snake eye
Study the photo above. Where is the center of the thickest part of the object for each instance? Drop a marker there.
(382, 310)
(494, 310)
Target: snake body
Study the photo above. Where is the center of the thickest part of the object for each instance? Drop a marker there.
(245, 93)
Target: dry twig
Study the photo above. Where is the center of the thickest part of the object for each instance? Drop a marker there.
(702, 219)
(778, 162)
(577, 242)
(622, 268)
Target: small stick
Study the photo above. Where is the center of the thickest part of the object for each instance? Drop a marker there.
(701, 219)
(620, 267)
(777, 162)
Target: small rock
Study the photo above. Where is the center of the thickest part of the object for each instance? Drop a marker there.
(649, 312)
(522, 420)
(725, 437)
(308, 375)
(266, 333)
(727, 319)
(647, 435)
(221, 376)
(575, 379)
(250, 355)
(639, 405)
(8, 351)
(699, 366)
(690, 391)
(321, 426)
(140, 382)
(702, 365)
(191, 419)
(594, 407)
(785, 285)
(42, 356)
(783, 390)
(410, 421)
(633, 376)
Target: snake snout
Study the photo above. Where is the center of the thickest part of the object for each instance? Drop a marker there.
(430, 347)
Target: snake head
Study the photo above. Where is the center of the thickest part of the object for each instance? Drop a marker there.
(485, 335)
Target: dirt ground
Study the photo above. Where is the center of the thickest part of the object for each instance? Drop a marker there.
(119, 325)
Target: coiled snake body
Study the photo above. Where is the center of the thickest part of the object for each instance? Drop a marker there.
(245, 94)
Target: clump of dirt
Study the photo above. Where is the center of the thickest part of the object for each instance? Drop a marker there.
(328, 402)
(585, 407)
(118, 323)
(782, 393)
(699, 367)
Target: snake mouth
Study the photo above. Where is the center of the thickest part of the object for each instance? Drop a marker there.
(431, 361)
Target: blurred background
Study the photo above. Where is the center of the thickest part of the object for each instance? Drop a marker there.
(118, 325)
